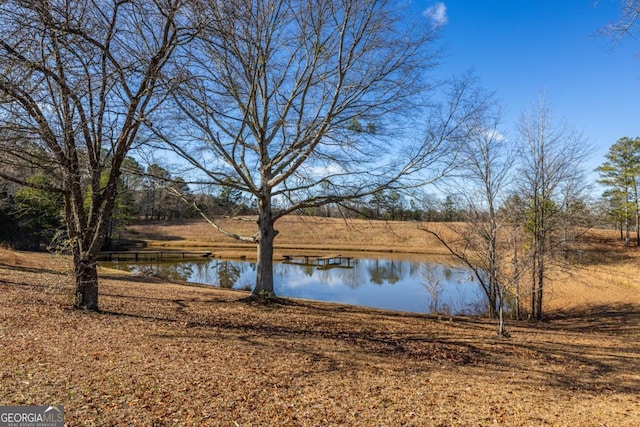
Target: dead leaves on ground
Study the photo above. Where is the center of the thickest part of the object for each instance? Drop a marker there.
(169, 355)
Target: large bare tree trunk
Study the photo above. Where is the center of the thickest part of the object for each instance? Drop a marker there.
(266, 236)
(264, 279)
(87, 238)
(86, 276)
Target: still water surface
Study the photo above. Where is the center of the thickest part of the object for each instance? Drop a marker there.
(405, 285)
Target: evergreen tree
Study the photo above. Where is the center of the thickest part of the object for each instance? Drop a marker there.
(620, 172)
(39, 212)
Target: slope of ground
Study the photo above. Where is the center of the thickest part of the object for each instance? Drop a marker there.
(297, 232)
(163, 354)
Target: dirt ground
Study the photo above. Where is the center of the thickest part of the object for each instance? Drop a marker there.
(163, 354)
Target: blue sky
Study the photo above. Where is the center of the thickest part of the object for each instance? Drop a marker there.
(522, 48)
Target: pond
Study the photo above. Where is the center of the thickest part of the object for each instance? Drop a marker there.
(393, 284)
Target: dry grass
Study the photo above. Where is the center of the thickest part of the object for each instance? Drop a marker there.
(295, 232)
(162, 354)
(10, 257)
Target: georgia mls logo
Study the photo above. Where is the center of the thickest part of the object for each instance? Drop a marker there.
(55, 410)
(32, 416)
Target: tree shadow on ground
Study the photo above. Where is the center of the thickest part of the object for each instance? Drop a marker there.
(613, 319)
(36, 270)
(381, 343)
(586, 350)
(590, 348)
(592, 251)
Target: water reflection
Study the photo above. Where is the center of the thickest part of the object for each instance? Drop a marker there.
(415, 286)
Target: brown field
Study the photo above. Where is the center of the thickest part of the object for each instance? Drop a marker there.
(295, 232)
(163, 354)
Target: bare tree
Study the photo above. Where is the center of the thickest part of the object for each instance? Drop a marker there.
(551, 176)
(77, 80)
(481, 180)
(514, 217)
(433, 285)
(301, 104)
(626, 25)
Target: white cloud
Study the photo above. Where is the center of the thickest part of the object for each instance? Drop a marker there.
(316, 172)
(493, 134)
(437, 14)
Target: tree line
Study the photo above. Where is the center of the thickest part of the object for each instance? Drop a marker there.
(33, 219)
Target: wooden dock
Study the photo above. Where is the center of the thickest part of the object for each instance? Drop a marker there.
(151, 255)
(301, 259)
(334, 261)
(320, 261)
